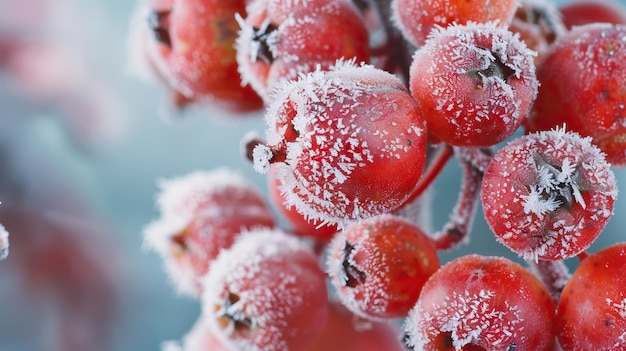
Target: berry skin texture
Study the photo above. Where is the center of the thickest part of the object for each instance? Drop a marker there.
(482, 303)
(266, 292)
(548, 195)
(352, 142)
(475, 83)
(416, 19)
(591, 313)
(582, 86)
(379, 265)
(193, 50)
(201, 214)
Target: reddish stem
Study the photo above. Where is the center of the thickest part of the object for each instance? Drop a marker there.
(457, 229)
(279, 152)
(477, 157)
(581, 256)
(436, 165)
(553, 274)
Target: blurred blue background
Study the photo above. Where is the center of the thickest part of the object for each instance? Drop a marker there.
(83, 191)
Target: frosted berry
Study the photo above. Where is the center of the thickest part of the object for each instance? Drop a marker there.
(192, 48)
(475, 83)
(279, 40)
(349, 143)
(591, 313)
(482, 303)
(379, 265)
(266, 292)
(417, 19)
(548, 195)
(582, 86)
(201, 214)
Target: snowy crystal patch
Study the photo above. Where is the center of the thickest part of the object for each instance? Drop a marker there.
(468, 317)
(555, 187)
(181, 195)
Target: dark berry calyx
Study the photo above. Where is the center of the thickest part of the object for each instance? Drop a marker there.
(352, 275)
(231, 315)
(263, 39)
(496, 68)
(158, 21)
(556, 187)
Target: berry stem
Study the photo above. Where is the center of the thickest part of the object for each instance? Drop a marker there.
(554, 274)
(279, 152)
(581, 256)
(479, 158)
(439, 160)
(457, 229)
(395, 51)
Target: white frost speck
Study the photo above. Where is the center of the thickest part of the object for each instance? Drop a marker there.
(4, 243)
(261, 156)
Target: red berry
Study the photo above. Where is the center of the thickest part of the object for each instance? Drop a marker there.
(582, 78)
(201, 214)
(580, 12)
(417, 19)
(349, 143)
(482, 303)
(343, 332)
(266, 292)
(193, 50)
(379, 265)
(299, 224)
(199, 338)
(538, 23)
(548, 195)
(592, 310)
(280, 40)
(475, 83)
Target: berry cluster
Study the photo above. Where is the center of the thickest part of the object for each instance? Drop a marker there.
(365, 103)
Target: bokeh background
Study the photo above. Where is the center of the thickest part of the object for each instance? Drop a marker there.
(83, 142)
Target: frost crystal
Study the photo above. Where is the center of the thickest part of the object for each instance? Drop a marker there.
(261, 156)
(554, 188)
(4, 243)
